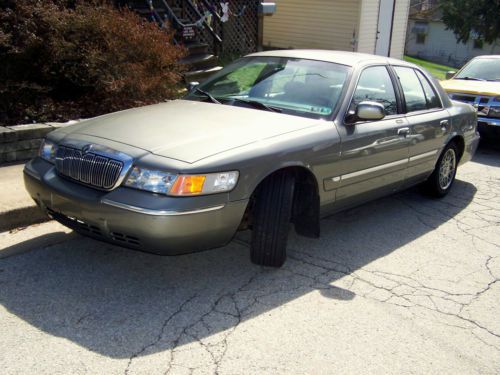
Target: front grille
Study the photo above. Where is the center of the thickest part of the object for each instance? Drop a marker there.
(131, 240)
(74, 223)
(90, 169)
(481, 103)
(464, 98)
(494, 112)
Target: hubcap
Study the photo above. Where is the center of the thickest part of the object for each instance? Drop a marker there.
(447, 169)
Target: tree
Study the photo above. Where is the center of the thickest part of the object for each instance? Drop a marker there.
(472, 18)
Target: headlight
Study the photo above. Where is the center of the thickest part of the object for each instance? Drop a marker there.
(48, 151)
(181, 185)
(154, 181)
(204, 184)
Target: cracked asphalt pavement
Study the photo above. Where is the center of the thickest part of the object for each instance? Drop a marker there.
(402, 285)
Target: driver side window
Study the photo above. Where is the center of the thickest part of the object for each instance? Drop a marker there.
(375, 85)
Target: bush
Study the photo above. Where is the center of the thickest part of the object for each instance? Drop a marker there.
(59, 60)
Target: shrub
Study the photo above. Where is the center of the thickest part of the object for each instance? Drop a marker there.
(60, 61)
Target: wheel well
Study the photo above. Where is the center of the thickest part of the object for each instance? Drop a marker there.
(459, 142)
(305, 214)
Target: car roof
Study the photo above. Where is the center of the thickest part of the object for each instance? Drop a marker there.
(339, 57)
(487, 57)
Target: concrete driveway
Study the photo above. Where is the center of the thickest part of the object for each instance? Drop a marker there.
(404, 285)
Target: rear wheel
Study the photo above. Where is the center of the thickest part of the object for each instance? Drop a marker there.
(441, 180)
(271, 220)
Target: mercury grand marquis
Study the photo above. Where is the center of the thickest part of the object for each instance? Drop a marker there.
(275, 139)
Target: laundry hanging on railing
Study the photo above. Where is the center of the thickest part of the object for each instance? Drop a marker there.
(222, 10)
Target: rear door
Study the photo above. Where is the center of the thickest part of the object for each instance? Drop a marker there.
(374, 153)
(427, 120)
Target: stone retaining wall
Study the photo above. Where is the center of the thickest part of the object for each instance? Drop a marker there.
(21, 142)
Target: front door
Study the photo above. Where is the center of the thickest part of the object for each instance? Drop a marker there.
(384, 29)
(374, 154)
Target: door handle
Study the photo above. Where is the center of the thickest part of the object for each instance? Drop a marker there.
(444, 125)
(404, 131)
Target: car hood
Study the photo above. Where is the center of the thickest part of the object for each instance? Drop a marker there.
(189, 130)
(472, 87)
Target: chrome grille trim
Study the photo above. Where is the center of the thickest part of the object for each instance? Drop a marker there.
(91, 168)
(481, 103)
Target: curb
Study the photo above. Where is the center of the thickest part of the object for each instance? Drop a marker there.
(19, 143)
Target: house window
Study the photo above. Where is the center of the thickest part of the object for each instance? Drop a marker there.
(478, 44)
(421, 38)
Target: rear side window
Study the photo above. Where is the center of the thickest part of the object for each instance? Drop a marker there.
(412, 88)
(430, 95)
(375, 84)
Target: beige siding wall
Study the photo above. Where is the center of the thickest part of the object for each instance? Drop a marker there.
(399, 28)
(368, 26)
(325, 24)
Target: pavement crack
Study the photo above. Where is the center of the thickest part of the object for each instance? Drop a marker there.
(160, 333)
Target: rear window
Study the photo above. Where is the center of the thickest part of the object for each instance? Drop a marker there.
(413, 91)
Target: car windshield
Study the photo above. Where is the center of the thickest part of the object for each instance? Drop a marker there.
(293, 86)
(481, 69)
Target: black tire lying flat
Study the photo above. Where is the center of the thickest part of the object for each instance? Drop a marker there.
(441, 180)
(271, 221)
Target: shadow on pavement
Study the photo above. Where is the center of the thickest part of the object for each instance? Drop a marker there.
(488, 153)
(122, 303)
(48, 239)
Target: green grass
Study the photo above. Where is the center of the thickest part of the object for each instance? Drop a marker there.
(246, 76)
(437, 70)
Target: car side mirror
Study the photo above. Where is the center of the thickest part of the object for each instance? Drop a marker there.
(192, 85)
(450, 74)
(367, 111)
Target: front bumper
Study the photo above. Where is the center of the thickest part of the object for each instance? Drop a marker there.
(488, 121)
(489, 128)
(132, 218)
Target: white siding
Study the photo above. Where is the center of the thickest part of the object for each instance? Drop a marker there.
(368, 22)
(324, 24)
(441, 46)
(399, 28)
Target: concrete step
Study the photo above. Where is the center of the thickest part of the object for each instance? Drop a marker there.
(199, 61)
(196, 48)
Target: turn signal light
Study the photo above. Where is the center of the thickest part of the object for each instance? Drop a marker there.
(188, 185)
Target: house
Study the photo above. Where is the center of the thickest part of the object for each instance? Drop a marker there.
(428, 38)
(370, 26)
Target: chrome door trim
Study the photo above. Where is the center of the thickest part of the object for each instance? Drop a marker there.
(374, 169)
(422, 156)
(148, 211)
(382, 166)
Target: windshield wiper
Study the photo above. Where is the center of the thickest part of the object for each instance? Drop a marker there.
(257, 104)
(471, 79)
(208, 95)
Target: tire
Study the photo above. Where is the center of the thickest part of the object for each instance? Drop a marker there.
(441, 180)
(271, 220)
